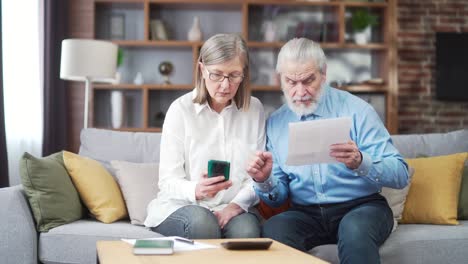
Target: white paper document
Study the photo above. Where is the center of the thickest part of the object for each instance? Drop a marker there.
(309, 141)
(178, 246)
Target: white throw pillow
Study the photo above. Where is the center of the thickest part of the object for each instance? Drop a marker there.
(396, 198)
(139, 185)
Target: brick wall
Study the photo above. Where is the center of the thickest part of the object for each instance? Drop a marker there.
(419, 111)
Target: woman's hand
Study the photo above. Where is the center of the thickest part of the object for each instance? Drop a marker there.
(225, 215)
(209, 187)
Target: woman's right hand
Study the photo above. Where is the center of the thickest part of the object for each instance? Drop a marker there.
(209, 187)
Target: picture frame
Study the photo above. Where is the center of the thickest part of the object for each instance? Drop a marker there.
(117, 26)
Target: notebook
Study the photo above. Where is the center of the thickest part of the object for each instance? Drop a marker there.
(153, 247)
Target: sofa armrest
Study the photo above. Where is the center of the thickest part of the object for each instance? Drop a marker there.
(19, 235)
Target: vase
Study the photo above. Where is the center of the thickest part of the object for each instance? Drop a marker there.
(269, 31)
(138, 79)
(362, 37)
(117, 101)
(195, 33)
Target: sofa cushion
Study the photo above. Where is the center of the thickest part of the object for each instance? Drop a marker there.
(434, 191)
(434, 144)
(98, 190)
(416, 244)
(76, 242)
(106, 145)
(53, 199)
(463, 199)
(139, 185)
(396, 199)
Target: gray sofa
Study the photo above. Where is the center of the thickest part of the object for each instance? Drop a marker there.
(75, 242)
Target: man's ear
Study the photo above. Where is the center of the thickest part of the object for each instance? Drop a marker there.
(276, 78)
(324, 74)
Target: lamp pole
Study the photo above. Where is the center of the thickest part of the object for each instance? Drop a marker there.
(86, 102)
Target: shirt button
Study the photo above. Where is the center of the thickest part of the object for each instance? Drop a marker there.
(377, 179)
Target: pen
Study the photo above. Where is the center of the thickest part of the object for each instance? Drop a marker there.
(185, 240)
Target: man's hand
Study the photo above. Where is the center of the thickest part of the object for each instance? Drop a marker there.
(260, 166)
(347, 153)
(225, 215)
(209, 187)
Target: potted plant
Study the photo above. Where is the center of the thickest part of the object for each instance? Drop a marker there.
(361, 22)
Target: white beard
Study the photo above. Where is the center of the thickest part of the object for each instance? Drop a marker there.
(302, 109)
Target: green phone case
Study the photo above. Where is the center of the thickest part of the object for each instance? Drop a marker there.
(218, 167)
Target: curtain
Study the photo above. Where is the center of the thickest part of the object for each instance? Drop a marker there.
(3, 151)
(55, 123)
(22, 82)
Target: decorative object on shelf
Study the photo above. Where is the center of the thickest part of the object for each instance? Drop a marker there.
(361, 22)
(159, 119)
(158, 30)
(269, 31)
(117, 26)
(138, 79)
(117, 100)
(90, 61)
(165, 68)
(195, 33)
(118, 74)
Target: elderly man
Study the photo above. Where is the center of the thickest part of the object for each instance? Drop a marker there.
(330, 203)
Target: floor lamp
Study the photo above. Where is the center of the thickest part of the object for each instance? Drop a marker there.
(90, 61)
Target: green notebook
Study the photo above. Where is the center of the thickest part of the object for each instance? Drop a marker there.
(153, 247)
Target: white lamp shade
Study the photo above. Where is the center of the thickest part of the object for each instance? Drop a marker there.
(88, 58)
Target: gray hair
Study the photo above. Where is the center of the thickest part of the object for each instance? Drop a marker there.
(219, 49)
(302, 50)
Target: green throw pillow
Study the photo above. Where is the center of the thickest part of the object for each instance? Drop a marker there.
(52, 196)
(463, 198)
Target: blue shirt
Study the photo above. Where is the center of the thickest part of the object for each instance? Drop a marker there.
(382, 165)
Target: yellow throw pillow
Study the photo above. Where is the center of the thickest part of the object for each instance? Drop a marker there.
(433, 195)
(96, 187)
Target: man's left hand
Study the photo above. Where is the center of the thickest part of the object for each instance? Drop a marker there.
(347, 153)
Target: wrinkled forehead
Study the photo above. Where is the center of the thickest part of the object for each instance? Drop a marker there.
(298, 70)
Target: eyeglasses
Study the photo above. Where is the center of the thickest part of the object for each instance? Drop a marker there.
(220, 77)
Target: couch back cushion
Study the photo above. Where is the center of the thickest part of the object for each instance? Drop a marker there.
(434, 144)
(106, 145)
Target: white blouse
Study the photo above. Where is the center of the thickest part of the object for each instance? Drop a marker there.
(192, 135)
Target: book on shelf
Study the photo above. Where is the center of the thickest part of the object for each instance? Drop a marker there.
(153, 247)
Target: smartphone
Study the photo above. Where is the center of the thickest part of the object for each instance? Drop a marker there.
(247, 244)
(218, 168)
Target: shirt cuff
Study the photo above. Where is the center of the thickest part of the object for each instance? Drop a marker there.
(189, 191)
(267, 186)
(365, 166)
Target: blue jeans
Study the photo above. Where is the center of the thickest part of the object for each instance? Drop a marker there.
(359, 227)
(196, 222)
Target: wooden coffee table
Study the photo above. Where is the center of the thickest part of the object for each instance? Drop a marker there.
(119, 252)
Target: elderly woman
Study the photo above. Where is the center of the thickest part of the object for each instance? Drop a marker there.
(218, 120)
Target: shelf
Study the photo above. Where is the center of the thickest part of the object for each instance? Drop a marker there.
(157, 43)
(135, 129)
(265, 88)
(328, 23)
(324, 45)
(364, 88)
(144, 86)
(293, 2)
